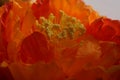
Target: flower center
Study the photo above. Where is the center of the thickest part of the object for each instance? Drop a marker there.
(66, 27)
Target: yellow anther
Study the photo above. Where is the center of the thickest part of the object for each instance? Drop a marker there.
(56, 26)
(51, 17)
(62, 35)
(37, 23)
(49, 32)
(66, 28)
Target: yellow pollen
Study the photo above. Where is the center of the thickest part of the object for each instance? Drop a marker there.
(67, 27)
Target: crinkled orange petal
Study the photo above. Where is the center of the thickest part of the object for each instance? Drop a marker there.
(110, 54)
(35, 48)
(17, 12)
(41, 8)
(3, 41)
(3, 47)
(20, 8)
(91, 74)
(76, 8)
(1, 11)
(24, 15)
(38, 71)
(7, 7)
(27, 23)
(105, 29)
(74, 58)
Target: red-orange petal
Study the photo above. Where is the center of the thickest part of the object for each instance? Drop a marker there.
(3, 45)
(35, 48)
(105, 29)
(41, 8)
(75, 8)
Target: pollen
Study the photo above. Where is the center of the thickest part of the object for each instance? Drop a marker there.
(66, 27)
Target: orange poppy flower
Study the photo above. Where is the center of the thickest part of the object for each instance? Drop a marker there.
(57, 40)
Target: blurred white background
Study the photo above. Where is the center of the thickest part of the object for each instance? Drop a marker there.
(109, 8)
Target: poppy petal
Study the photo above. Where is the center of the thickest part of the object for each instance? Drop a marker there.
(35, 48)
(41, 8)
(76, 8)
(105, 29)
(3, 46)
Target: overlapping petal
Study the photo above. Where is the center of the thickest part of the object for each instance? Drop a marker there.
(35, 48)
(30, 34)
(105, 29)
(76, 8)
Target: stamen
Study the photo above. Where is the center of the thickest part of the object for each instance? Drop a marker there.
(68, 27)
